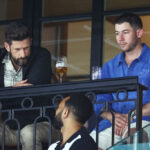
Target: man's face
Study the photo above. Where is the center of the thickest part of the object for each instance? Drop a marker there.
(126, 37)
(58, 123)
(19, 51)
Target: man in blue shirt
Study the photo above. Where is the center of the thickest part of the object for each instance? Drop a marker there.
(133, 61)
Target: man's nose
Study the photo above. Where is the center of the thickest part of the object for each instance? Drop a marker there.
(121, 37)
(22, 53)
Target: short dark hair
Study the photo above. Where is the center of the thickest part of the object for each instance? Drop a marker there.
(133, 19)
(16, 31)
(80, 106)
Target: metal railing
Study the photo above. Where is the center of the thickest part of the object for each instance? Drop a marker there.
(19, 99)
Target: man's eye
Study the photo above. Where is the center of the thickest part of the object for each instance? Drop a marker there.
(26, 48)
(17, 49)
(125, 32)
(116, 33)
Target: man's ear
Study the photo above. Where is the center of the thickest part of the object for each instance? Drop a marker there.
(7, 47)
(139, 33)
(65, 113)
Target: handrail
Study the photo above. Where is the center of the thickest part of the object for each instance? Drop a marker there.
(98, 86)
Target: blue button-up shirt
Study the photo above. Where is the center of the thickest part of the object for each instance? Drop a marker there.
(117, 67)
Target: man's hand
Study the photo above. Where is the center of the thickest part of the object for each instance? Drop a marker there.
(22, 83)
(121, 122)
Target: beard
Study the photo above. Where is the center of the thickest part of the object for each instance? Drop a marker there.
(57, 123)
(19, 61)
(131, 46)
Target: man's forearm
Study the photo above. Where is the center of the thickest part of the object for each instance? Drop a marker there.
(146, 110)
(107, 115)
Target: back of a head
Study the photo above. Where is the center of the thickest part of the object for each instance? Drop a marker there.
(133, 19)
(80, 106)
(16, 31)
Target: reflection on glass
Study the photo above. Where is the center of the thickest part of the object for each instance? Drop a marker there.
(125, 4)
(11, 9)
(73, 40)
(2, 38)
(66, 7)
(132, 142)
(111, 48)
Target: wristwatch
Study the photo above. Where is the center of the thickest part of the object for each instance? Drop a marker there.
(133, 115)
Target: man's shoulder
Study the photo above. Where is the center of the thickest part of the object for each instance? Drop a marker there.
(146, 52)
(40, 51)
(53, 146)
(3, 52)
(40, 54)
(80, 143)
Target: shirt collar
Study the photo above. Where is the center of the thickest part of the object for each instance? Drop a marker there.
(121, 58)
(6, 59)
(142, 56)
(80, 131)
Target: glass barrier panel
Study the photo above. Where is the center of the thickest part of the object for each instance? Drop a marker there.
(2, 36)
(11, 9)
(73, 40)
(65, 7)
(131, 143)
(125, 4)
